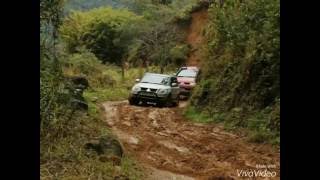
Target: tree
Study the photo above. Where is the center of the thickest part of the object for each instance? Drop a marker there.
(156, 43)
(51, 17)
(104, 31)
(50, 71)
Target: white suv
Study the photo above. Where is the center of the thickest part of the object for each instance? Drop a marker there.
(158, 88)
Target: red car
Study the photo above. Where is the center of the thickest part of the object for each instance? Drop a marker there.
(187, 77)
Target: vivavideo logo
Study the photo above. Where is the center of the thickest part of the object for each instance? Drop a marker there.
(260, 171)
(256, 173)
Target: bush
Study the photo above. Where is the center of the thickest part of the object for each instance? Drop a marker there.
(101, 30)
(62, 152)
(179, 54)
(184, 10)
(64, 129)
(86, 64)
(66, 157)
(242, 63)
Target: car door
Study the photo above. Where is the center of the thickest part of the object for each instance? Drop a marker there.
(174, 89)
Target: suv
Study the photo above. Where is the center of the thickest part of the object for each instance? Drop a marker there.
(187, 78)
(158, 88)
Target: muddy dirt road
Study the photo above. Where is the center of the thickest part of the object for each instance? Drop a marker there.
(171, 147)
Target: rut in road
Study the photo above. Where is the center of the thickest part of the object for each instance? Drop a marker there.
(170, 146)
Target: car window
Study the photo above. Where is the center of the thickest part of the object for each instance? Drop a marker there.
(155, 79)
(174, 80)
(187, 73)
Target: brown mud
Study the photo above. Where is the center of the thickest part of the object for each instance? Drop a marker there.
(171, 147)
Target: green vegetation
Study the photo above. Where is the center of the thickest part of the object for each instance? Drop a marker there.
(240, 73)
(179, 54)
(110, 48)
(62, 141)
(100, 45)
(64, 128)
(104, 31)
(62, 153)
(162, 40)
(150, 37)
(257, 126)
(85, 5)
(65, 158)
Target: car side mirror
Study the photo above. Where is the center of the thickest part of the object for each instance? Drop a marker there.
(174, 84)
(137, 80)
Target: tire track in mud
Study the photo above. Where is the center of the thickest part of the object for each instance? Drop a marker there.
(170, 147)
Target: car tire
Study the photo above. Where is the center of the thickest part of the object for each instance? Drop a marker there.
(176, 102)
(133, 101)
(161, 104)
(144, 103)
(168, 102)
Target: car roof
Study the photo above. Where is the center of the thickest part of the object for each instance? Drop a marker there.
(190, 67)
(157, 74)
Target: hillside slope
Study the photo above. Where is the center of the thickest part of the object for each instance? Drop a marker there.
(240, 80)
(195, 36)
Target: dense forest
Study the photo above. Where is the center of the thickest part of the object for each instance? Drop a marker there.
(93, 50)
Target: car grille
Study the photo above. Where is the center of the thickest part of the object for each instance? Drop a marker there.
(147, 94)
(151, 89)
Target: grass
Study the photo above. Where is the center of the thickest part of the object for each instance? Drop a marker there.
(63, 155)
(109, 94)
(255, 126)
(195, 116)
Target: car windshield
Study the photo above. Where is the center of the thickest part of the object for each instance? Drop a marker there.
(187, 73)
(155, 79)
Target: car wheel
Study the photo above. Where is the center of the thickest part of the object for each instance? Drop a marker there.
(133, 101)
(169, 102)
(144, 103)
(176, 102)
(161, 104)
(165, 103)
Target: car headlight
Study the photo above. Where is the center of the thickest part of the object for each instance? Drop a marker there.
(163, 91)
(135, 89)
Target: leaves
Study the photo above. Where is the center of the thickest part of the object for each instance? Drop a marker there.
(104, 31)
(243, 58)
